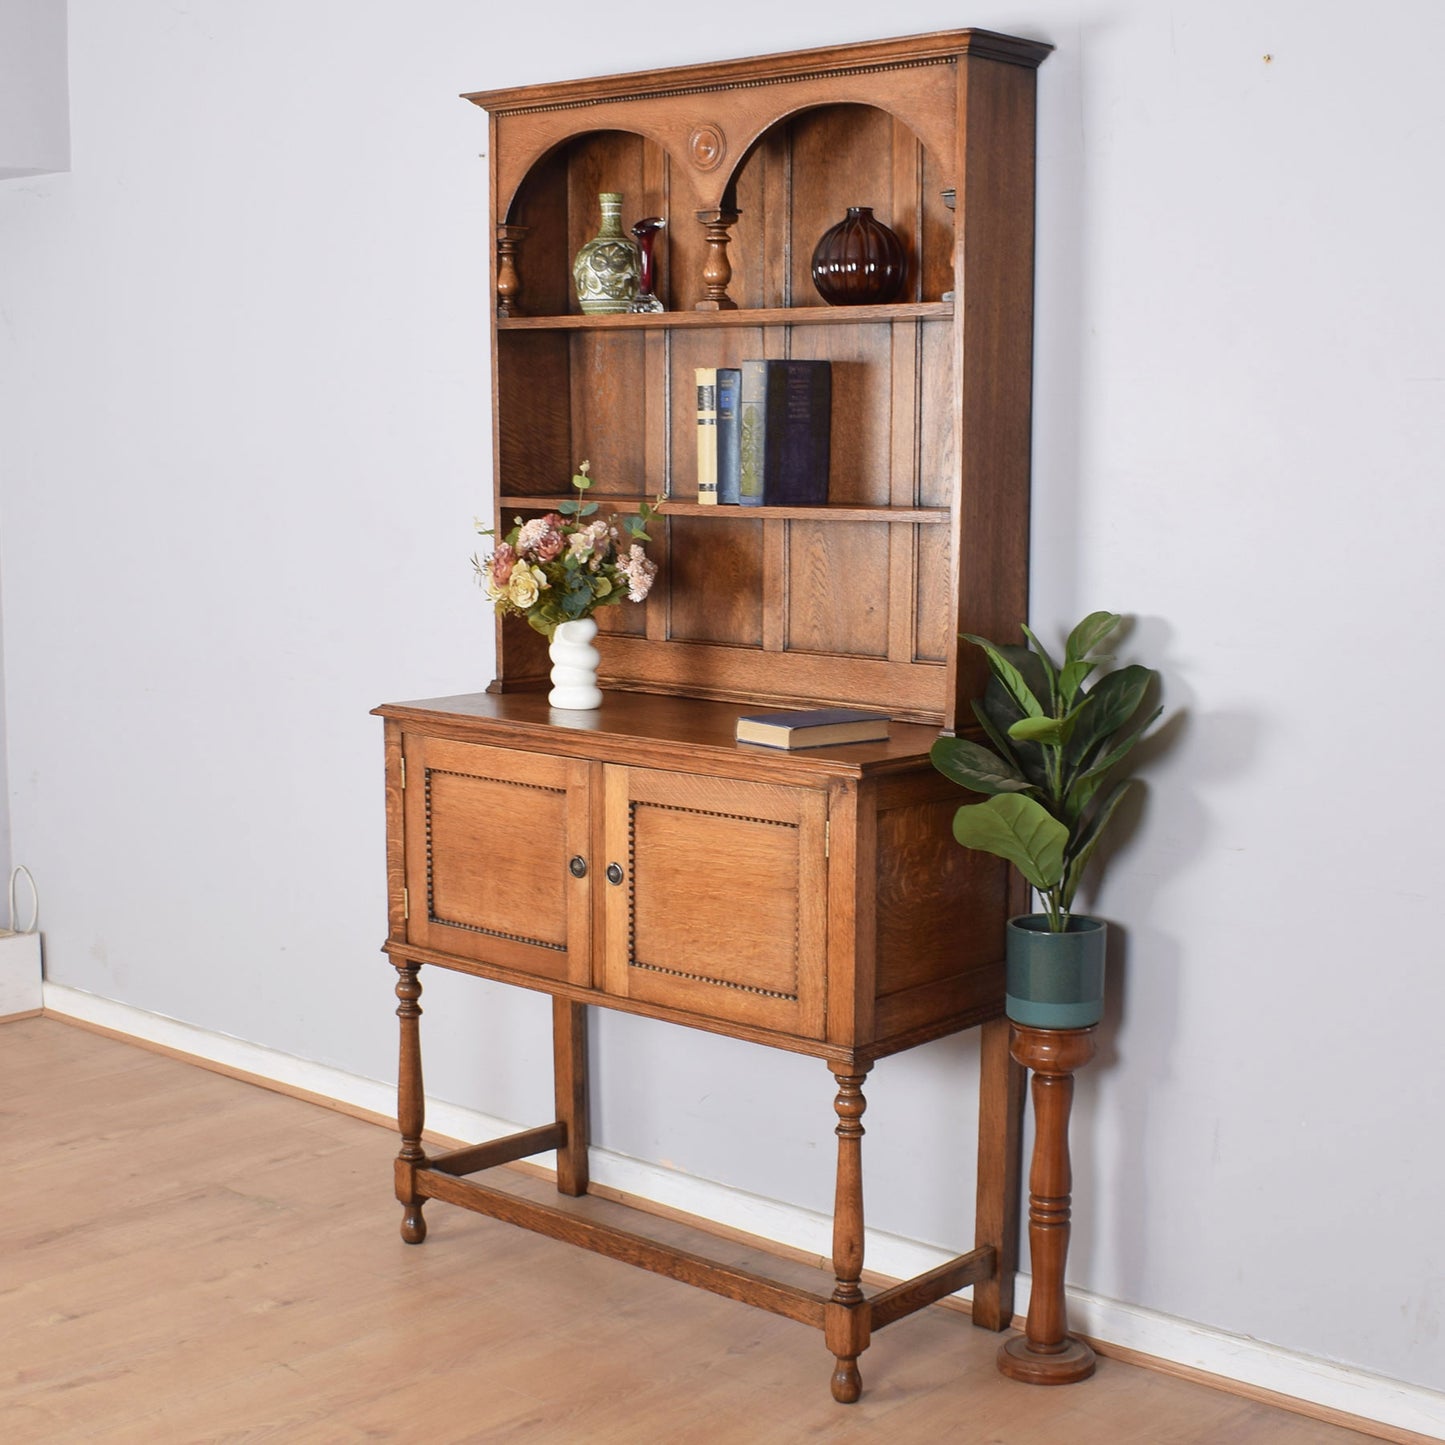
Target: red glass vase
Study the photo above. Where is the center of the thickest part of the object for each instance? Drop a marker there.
(859, 262)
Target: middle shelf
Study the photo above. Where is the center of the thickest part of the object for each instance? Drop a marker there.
(680, 507)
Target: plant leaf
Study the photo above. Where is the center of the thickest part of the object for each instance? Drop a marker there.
(1045, 730)
(996, 735)
(1081, 789)
(1075, 674)
(1115, 698)
(1089, 634)
(1010, 676)
(1002, 712)
(1018, 829)
(1083, 847)
(973, 766)
(1051, 672)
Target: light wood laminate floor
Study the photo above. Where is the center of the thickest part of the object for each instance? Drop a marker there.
(189, 1257)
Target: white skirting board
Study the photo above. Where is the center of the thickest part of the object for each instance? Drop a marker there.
(1175, 1341)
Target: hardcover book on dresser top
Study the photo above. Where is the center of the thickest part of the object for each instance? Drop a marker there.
(811, 900)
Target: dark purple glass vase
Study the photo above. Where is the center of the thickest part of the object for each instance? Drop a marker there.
(859, 262)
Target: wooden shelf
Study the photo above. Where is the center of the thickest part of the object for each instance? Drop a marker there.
(770, 316)
(678, 507)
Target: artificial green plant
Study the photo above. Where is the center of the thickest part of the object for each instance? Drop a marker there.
(1056, 743)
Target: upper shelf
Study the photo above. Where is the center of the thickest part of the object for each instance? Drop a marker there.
(770, 316)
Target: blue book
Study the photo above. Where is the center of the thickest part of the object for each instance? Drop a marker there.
(729, 456)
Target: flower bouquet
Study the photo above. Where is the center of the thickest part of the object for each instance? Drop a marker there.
(563, 566)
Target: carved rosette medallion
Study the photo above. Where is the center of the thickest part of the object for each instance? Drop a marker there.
(707, 146)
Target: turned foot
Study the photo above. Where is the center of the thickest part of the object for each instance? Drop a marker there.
(1064, 1365)
(413, 1226)
(847, 1383)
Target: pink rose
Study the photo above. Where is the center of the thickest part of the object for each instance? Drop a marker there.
(503, 560)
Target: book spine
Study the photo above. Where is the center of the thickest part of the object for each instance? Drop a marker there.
(729, 460)
(707, 434)
(752, 430)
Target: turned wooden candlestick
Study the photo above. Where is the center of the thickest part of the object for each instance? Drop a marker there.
(1046, 1354)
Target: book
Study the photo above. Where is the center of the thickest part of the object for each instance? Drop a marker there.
(706, 434)
(729, 459)
(812, 728)
(785, 408)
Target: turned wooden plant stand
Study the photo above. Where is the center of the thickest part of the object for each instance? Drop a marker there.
(1046, 1354)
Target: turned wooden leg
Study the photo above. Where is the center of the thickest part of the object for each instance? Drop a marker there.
(410, 1103)
(846, 1324)
(1046, 1354)
(1000, 1140)
(569, 1068)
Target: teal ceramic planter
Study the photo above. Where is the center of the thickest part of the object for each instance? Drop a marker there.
(1055, 980)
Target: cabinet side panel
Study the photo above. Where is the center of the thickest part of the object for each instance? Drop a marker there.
(996, 250)
(941, 911)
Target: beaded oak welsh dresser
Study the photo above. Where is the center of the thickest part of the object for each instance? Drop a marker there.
(812, 901)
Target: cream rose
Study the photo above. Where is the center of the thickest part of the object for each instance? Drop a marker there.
(525, 587)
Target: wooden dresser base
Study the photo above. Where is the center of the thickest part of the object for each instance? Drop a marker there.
(847, 1316)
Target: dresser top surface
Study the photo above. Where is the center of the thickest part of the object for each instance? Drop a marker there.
(629, 719)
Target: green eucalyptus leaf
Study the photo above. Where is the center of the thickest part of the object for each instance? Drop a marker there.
(973, 766)
(1089, 634)
(586, 509)
(1018, 829)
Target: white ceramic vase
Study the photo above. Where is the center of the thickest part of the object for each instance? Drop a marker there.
(574, 666)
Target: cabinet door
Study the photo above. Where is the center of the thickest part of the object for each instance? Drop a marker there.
(719, 904)
(490, 839)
